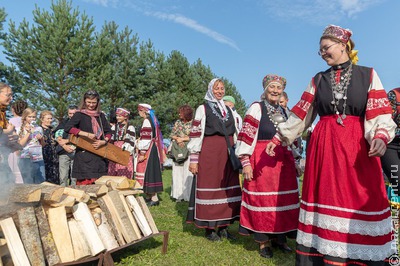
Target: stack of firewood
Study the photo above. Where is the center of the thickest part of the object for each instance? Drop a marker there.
(48, 224)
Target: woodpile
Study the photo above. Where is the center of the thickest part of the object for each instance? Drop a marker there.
(47, 224)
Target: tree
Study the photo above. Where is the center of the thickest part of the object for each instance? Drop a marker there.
(52, 55)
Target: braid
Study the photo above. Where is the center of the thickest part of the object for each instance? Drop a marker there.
(19, 106)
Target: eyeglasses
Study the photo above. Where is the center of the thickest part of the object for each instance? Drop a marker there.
(325, 49)
(8, 95)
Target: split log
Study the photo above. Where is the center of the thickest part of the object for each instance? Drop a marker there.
(49, 246)
(94, 190)
(113, 223)
(66, 201)
(59, 228)
(114, 182)
(84, 218)
(128, 192)
(51, 193)
(78, 194)
(3, 248)
(131, 218)
(147, 214)
(106, 234)
(14, 243)
(139, 215)
(116, 207)
(25, 193)
(30, 237)
(79, 242)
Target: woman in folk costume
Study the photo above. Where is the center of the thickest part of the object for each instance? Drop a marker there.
(151, 155)
(216, 195)
(270, 201)
(123, 136)
(90, 122)
(345, 217)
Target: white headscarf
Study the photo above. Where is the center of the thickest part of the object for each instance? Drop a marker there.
(210, 97)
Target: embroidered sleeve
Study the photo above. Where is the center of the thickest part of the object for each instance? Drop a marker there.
(248, 134)
(301, 117)
(130, 138)
(378, 115)
(197, 134)
(145, 136)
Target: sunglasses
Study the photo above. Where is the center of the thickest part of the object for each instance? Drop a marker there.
(92, 93)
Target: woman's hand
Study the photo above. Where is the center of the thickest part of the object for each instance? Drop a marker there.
(270, 149)
(9, 130)
(141, 158)
(247, 173)
(194, 168)
(378, 148)
(91, 135)
(98, 143)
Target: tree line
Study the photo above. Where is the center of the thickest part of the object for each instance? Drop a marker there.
(60, 55)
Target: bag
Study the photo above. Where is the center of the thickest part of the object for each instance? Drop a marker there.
(179, 154)
(236, 164)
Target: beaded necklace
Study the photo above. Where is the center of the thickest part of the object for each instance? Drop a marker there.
(214, 108)
(275, 114)
(120, 131)
(339, 91)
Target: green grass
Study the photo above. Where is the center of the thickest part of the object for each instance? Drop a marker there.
(187, 245)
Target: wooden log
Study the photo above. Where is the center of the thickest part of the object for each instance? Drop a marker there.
(78, 194)
(3, 248)
(128, 192)
(139, 215)
(14, 243)
(84, 218)
(106, 234)
(147, 214)
(25, 193)
(94, 190)
(113, 222)
(108, 151)
(79, 242)
(49, 246)
(115, 182)
(131, 218)
(51, 193)
(30, 237)
(59, 228)
(116, 206)
(66, 201)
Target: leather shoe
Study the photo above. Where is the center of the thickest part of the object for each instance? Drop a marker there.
(266, 252)
(225, 234)
(153, 203)
(213, 237)
(285, 248)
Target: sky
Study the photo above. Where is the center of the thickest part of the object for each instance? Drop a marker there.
(244, 40)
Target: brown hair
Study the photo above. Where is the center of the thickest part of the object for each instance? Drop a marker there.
(334, 39)
(91, 94)
(44, 113)
(187, 112)
(19, 106)
(4, 85)
(24, 115)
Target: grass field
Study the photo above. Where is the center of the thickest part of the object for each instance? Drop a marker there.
(187, 245)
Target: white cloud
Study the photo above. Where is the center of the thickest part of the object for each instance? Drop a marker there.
(145, 7)
(318, 11)
(192, 24)
(105, 3)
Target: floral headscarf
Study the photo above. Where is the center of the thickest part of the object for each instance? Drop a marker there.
(211, 98)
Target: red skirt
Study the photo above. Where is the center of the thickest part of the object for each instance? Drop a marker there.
(218, 192)
(344, 209)
(270, 201)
